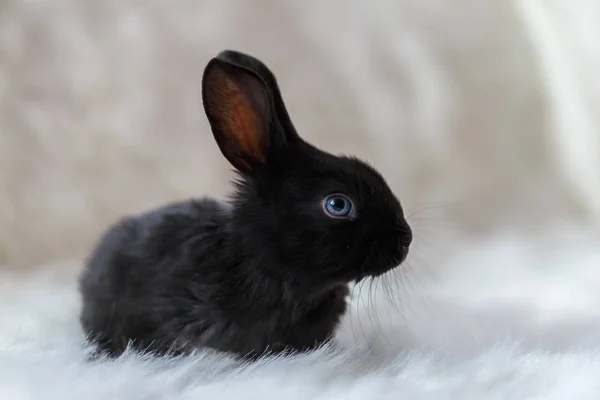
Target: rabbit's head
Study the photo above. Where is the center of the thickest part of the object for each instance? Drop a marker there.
(320, 219)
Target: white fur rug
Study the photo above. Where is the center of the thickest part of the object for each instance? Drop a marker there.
(505, 319)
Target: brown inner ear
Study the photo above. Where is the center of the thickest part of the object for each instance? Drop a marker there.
(238, 116)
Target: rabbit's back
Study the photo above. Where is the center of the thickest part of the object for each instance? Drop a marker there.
(130, 283)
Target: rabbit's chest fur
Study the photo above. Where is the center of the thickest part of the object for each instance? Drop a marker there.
(166, 281)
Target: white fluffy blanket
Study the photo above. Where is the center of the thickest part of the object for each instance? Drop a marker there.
(506, 319)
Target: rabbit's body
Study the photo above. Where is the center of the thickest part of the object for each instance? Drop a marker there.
(268, 271)
(173, 280)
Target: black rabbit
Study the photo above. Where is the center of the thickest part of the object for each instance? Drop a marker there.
(267, 271)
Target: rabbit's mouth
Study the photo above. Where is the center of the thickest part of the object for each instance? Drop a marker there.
(382, 257)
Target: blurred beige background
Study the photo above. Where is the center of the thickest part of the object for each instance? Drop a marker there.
(483, 116)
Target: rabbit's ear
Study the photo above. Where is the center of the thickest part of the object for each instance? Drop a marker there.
(239, 109)
(288, 133)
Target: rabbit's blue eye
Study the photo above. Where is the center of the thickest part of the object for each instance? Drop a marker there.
(339, 206)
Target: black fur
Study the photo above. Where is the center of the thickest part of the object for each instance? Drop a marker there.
(268, 271)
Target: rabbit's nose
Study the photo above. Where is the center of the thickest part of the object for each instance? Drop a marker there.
(406, 234)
